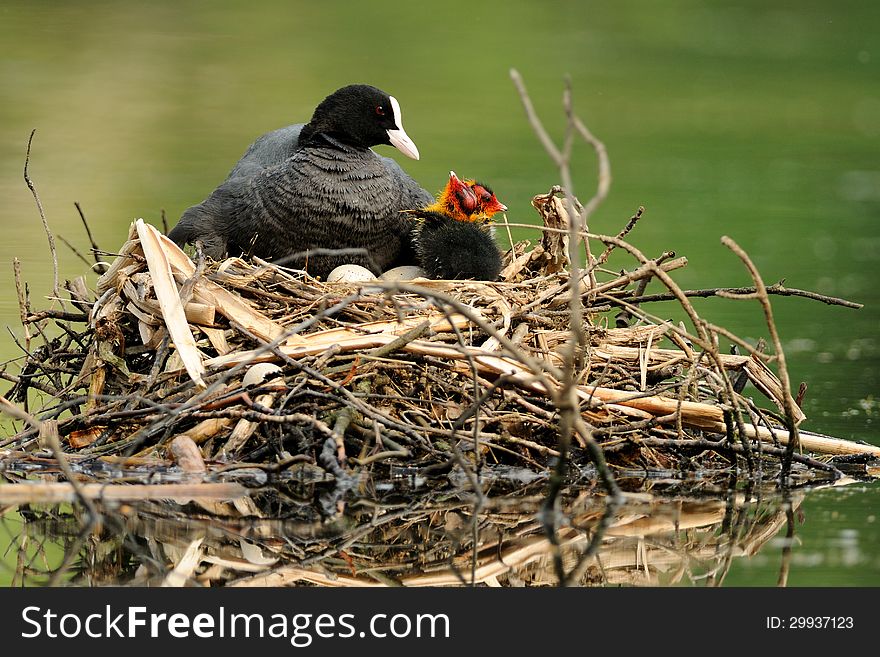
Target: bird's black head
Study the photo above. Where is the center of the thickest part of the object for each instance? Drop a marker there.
(363, 116)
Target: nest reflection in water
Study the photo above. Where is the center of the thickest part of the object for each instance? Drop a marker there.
(406, 537)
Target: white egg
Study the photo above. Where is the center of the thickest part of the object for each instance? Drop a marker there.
(403, 273)
(350, 274)
(262, 373)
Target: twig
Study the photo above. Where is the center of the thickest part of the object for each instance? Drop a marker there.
(612, 504)
(23, 305)
(739, 292)
(785, 564)
(63, 315)
(534, 121)
(55, 288)
(76, 251)
(509, 234)
(565, 397)
(577, 220)
(604, 182)
(100, 265)
(603, 257)
(624, 317)
(28, 382)
(402, 341)
(788, 401)
(721, 446)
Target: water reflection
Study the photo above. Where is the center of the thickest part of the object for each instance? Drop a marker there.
(436, 534)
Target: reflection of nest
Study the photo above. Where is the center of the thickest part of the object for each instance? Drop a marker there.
(646, 541)
(431, 374)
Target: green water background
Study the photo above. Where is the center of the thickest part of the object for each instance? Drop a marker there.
(754, 119)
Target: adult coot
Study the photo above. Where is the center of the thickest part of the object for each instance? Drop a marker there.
(452, 236)
(305, 189)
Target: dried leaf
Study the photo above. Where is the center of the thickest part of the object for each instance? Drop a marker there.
(169, 302)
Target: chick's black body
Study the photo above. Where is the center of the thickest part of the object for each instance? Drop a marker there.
(314, 186)
(449, 249)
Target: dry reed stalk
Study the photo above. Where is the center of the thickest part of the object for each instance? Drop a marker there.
(169, 301)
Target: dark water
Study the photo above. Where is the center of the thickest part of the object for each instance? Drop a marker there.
(758, 120)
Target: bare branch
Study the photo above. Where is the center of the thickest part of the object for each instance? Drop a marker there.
(100, 265)
(791, 411)
(55, 288)
(534, 121)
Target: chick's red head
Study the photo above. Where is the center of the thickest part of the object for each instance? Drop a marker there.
(466, 200)
(487, 203)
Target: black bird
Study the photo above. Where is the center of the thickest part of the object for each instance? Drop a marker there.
(316, 186)
(453, 237)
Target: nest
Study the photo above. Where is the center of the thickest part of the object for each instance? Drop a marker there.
(221, 365)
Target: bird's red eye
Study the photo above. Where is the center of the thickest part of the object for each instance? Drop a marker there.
(380, 110)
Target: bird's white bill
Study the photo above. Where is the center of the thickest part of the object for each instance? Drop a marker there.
(398, 138)
(401, 141)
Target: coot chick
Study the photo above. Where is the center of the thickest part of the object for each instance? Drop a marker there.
(316, 186)
(452, 236)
